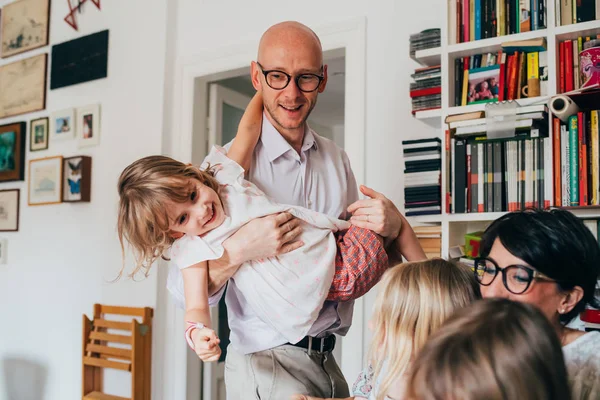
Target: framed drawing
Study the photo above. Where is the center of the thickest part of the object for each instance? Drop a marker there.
(77, 176)
(23, 86)
(9, 210)
(12, 152)
(45, 181)
(88, 125)
(25, 25)
(38, 134)
(63, 124)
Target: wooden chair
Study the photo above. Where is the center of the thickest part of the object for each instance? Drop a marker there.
(133, 352)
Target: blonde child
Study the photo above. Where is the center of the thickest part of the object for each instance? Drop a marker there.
(497, 350)
(414, 300)
(166, 205)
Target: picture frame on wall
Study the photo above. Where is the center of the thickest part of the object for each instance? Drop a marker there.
(9, 210)
(38, 134)
(25, 26)
(12, 151)
(23, 86)
(77, 176)
(63, 124)
(45, 181)
(88, 125)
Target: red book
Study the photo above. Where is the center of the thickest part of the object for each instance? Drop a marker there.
(556, 162)
(561, 64)
(465, 21)
(569, 66)
(583, 184)
(501, 85)
(425, 92)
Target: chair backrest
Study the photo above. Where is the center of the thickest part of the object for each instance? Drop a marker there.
(122, 341)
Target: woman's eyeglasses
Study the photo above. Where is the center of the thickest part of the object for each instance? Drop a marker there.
(516, 278)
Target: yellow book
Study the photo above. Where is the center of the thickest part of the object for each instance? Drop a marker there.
(594, 134)
(533, 68)
(500, 6)
(471, 20)
(465, 87)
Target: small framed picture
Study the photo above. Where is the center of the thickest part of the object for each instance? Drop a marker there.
(38, 134)
(9, 210)
(88, 125)
(45, 181)
(12, 151)
(63, 124)
(484, 85)
(77, 176)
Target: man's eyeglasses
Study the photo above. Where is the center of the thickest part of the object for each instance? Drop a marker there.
(516, 278)
(279, 80)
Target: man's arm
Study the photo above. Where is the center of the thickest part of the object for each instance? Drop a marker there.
(260, 238)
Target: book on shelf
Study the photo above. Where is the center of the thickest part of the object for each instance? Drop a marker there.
(425, 91)
(570, 77)
(575, 11)
(429, 38)
(470, 20)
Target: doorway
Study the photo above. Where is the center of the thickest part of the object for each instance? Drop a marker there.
(227, 100)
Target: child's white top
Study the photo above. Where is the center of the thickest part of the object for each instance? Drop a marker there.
(582, 357)
(286, 291)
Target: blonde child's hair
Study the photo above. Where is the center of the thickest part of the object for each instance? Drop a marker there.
(146, 187)
(413, 301)
(496, 349)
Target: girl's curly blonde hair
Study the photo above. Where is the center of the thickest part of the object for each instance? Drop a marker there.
(146, 187)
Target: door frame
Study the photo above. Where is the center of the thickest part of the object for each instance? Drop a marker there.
(180, 369)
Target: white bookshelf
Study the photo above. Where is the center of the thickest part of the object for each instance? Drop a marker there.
(455, 226)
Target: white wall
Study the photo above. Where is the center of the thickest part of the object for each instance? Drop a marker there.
(60, 261)
(214, 24)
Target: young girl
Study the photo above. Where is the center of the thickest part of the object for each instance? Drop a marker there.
(495, 349)
(414, 300)
(167, 205)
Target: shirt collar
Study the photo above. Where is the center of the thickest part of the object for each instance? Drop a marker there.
(276, 145)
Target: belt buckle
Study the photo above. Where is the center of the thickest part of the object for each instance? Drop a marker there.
(309, 345)
(322, 344)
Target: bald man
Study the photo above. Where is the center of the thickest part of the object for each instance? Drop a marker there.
(294, 165)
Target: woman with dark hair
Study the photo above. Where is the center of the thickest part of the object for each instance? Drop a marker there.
(549, 259)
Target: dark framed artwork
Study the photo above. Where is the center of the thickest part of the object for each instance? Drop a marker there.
(9, 210)
(77, 179)
(38, 134)
(12, 151)
(80, 60)
(23, 86)
(25, 26)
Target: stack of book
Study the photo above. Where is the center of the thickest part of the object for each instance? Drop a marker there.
(493, 175)
(422, 173)
(430, 238)
(426, 90)
(427, 39)
(575, 11)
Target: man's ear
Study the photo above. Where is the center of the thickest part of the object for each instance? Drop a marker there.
(255, 75)
(175, 235)
(571, 299)
(324, 81)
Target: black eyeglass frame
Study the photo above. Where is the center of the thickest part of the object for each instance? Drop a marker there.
(289, 78)
(531, 273)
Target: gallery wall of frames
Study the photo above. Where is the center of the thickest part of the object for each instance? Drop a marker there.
(24, 85)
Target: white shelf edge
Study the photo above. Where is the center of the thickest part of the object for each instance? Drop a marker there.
(481, 106)
(429, 114)
(577, 28)
(468, 48)
(429, 57)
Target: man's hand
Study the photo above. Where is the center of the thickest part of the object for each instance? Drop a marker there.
(265, 237)
(206, 344)
(378, 214)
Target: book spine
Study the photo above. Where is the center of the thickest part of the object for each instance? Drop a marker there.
(583, 184)
(478, 19)
(574, 161)
(556, 158)
(595, 137)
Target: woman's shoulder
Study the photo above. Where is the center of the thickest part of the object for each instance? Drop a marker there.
(583, 365)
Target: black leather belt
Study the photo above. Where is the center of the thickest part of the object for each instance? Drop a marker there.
(321, 345)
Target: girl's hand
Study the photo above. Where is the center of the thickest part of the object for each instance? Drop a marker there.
(206, 344)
